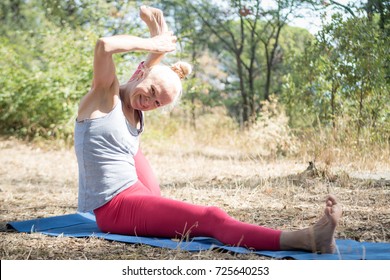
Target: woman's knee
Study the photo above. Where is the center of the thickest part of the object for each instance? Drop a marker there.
(216, 215)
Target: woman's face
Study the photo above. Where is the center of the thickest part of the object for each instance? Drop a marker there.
(157, 89)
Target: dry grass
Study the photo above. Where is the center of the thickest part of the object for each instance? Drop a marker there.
(41, 181)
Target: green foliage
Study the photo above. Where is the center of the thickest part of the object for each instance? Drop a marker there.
(41, 84)
(77, 13)
(343, 76)
(292, 42)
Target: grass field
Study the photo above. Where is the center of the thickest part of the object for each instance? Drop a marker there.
(40, 181)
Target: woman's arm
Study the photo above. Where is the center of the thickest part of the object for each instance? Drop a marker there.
(104, 68)
(155, 21)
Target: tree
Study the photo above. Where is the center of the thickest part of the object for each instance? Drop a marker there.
(382, 8)
(236, 31)
(344, 78)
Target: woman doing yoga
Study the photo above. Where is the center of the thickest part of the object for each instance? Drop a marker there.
(115, 179)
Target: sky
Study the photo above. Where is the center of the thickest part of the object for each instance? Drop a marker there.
(310, 21)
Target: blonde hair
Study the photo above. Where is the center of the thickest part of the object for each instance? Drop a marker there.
(182, 69)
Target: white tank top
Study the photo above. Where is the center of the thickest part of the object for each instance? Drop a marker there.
(105, 149)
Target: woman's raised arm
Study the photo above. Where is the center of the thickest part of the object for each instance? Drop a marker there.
(104, 68)
(155, 21)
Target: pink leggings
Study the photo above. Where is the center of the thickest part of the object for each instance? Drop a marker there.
(141, 210)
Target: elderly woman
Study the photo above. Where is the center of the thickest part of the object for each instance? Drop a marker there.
(115, 179)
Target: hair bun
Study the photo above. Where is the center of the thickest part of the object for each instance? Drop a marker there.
(182, 69)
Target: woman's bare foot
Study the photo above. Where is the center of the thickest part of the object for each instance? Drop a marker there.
(323, 231)
(319, 237)
(154, 19)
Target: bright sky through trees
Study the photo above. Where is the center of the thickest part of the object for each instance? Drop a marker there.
(312, 21)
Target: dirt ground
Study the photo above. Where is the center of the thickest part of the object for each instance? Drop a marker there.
(37, 181)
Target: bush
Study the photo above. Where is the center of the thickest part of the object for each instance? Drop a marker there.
(42, 84)
(270, 134)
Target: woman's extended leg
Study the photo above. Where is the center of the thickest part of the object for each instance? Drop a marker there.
(134, 213)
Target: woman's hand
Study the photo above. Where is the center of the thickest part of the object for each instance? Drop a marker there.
(163, 43)
(154, 19)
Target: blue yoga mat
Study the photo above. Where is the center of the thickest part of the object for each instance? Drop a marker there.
(84, 225)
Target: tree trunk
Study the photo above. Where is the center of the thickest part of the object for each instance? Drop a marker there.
(270, 61)
(245, 105)
(333, 103)
(193, 113)
(360, 118)
(268, 80)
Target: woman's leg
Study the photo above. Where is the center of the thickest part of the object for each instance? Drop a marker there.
(145, 173)
(134, 213)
